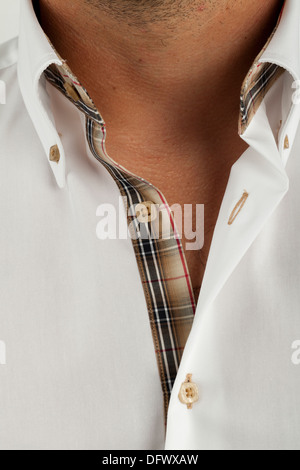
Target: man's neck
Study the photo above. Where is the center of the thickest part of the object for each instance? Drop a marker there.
(168, 90)
(164, 84)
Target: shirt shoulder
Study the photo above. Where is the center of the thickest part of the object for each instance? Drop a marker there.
(9, 31)
(9, 19)
(8, 53)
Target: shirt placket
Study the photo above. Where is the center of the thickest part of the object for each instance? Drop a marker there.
(161, 261)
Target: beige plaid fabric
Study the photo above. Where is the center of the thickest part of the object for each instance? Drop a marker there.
(259, 80)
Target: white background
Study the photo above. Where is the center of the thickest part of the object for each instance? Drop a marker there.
(9, 19)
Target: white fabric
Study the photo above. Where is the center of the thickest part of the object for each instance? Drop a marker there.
(9, 19)
(81, 370)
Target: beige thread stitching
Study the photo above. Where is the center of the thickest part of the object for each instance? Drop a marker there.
(239, 206)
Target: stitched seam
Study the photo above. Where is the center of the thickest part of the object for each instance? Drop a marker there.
(238, 208)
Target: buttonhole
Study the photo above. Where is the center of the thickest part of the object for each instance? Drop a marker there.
(239, 206)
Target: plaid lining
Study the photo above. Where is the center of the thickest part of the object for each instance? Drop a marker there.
(261, 80)
(164, 274)
(257, 83)
(162, 265)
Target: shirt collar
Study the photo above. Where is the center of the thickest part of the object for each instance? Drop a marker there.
(280, 54)
(284, 47)
(36, 54)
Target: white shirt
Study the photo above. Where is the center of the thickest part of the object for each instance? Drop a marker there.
(80, 368)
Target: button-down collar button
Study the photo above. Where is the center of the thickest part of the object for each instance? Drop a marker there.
(71, 91)
(189, 393)
(54, 155)
(146, 212)
(286, 143)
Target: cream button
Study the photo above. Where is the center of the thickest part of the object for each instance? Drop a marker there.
(54, 155)
(189, 393)
(146, 212)
(286, 142)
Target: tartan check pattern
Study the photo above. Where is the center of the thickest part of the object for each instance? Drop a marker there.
(262, 78)
(259, 80)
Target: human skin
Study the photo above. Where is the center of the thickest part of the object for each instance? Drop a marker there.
(166, 77)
